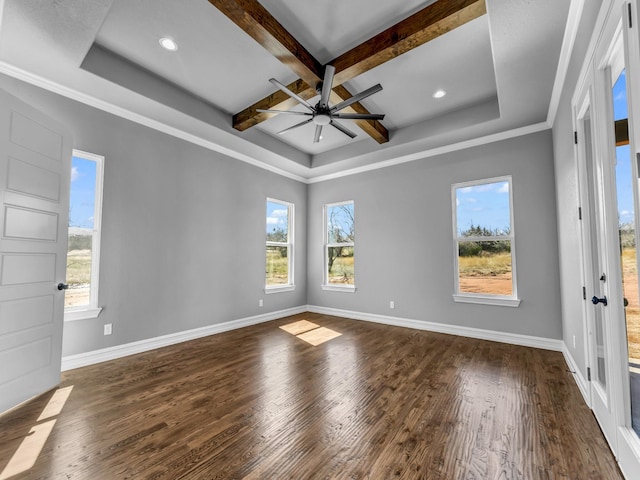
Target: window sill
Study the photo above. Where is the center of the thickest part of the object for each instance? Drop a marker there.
(487, 300)
(283, 288)
(340, 288)
(81, 314)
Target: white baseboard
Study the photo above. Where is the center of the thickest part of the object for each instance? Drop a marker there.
(512, 338)
(628, 452)
(582, 382)
(111, 353)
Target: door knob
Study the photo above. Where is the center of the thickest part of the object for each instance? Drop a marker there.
(62, 286)
(595, 300)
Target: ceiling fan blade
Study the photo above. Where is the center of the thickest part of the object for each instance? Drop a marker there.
(295, 126)
(359, 116)
(327, 82)
(356, 98)
(318, 134)
(291, 112)
(291, 94)
(343, 129)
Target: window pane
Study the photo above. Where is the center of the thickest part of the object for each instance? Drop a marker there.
(340, 227)
(483, 210)
(82, 198)
(78, 267)
(340, 265)
(485, 267)
(277, 222)
(277, 265)
(628, 253)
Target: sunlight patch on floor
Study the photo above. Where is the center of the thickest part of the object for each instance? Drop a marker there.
(318, 336)
(310, 332)
(29, 450)
(54, 407)
(299, 327)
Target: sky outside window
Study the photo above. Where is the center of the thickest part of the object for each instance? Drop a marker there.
(83, 193)
(623, 158)
(485, 205)
(277, 217)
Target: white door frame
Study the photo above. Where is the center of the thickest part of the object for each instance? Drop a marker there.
(617, 31)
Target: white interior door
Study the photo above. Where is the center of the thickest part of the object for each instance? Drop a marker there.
(35, 156)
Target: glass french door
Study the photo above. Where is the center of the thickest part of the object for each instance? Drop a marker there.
(607, 114)
(624, 182)
(597, 293)
(614, 326)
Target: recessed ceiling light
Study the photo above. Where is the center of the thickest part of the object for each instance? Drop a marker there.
(168, 44)
(439, 94)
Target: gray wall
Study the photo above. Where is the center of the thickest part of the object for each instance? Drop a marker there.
(183, 233)
(183, 229)
(567, 198)
(404, 246)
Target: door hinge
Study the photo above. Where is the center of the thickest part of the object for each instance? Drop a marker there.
(579, 213)
(584, 293)
(575, 137)
(630, 16)
(589, 374)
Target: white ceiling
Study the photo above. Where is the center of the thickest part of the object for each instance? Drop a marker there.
(498, 71)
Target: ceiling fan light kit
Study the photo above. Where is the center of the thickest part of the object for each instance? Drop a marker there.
(323, 113)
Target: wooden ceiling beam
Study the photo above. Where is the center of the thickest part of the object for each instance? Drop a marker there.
(278, 100)
(260, 25)
(423, 26)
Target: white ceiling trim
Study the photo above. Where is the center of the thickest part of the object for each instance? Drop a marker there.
(571, 31)
(108, 107)
(475, 142)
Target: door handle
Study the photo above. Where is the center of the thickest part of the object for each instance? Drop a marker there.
(595, 300)
(62, 286)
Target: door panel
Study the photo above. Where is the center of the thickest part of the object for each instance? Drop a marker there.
(26, 313)
(28, 179)
(35, 161)
(23, 223)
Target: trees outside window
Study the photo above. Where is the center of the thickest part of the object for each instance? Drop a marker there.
(339, 245)
(83, 252)
(484, 240)
(279, 246)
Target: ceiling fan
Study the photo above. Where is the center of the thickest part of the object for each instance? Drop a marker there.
(322, 113)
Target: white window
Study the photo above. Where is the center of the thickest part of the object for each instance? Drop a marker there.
(279, 247)
(339, 246)
(484, 250)
(83, 253)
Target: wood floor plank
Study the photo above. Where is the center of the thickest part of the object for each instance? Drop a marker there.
(376, 402)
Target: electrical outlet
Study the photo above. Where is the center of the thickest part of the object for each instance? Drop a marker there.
(392, 304)
(107, 328)
(260, 303)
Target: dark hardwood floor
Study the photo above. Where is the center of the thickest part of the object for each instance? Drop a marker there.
(376, 402)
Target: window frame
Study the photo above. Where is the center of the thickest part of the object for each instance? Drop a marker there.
(91, 310)
(484, 298)
(326, 285)
(290, 285)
